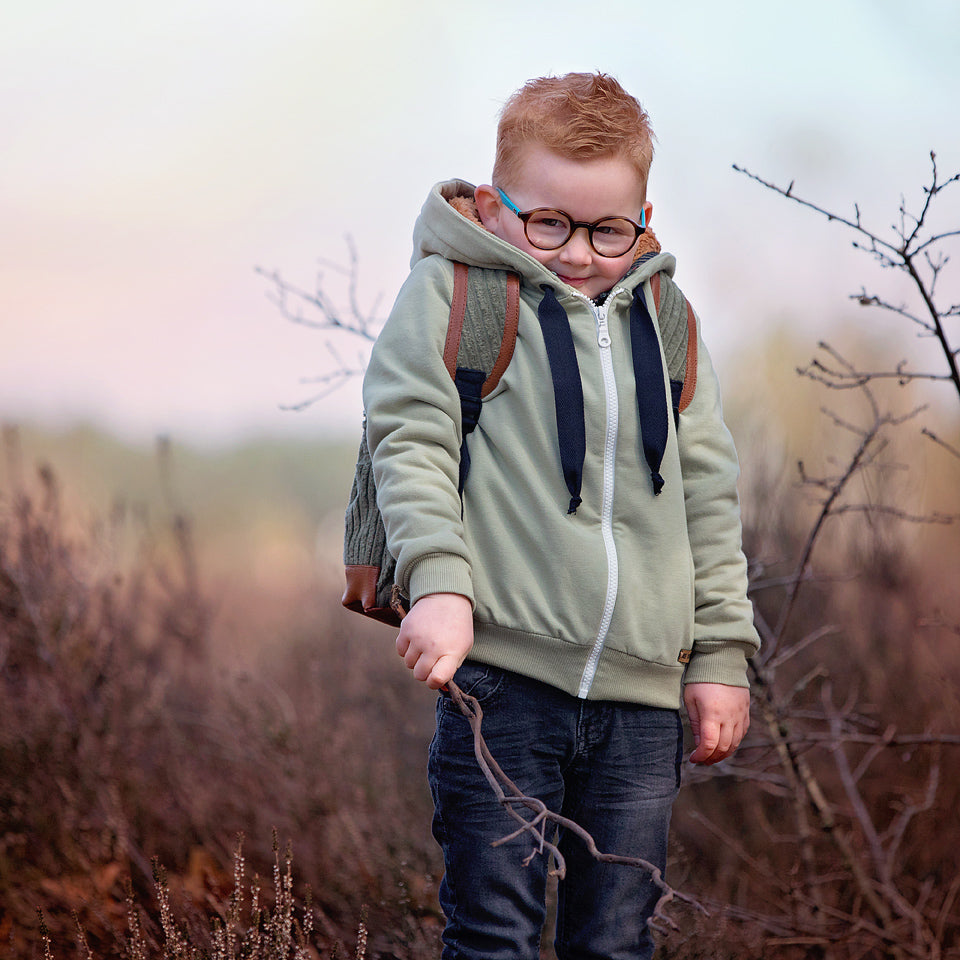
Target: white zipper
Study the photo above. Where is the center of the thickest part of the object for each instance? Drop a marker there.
(606, 505)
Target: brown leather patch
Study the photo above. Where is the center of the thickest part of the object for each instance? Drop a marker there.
(684, 656)
(360, 595)
(361, 591)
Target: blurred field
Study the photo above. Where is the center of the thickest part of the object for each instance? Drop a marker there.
(176, 670)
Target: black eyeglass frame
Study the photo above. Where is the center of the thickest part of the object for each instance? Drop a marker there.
(575, 225)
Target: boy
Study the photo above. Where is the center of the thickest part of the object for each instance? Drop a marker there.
(586, 575)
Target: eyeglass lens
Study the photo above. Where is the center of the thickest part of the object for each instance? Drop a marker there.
(550, 229)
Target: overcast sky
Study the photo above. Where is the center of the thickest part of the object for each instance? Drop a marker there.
(152, 155)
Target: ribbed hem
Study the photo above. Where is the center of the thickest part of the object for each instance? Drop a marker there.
(441, 573)
(618, 676)
(726, 664)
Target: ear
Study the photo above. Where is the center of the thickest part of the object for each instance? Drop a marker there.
(489, 207)
(648, 209)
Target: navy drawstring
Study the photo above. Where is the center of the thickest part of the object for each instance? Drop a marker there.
(469, 383)
(651, 400)
(567, 391)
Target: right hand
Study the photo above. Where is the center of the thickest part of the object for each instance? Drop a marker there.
(436, 636)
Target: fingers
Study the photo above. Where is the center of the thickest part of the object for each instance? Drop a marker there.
(435, 672)
(416, 658)
(442, 672)
(719, 719)
(715, 742)
(435, 637)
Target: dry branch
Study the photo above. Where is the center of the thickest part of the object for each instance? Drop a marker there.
(910, 252)
(511, 797)
(318, 310)
(848, 885)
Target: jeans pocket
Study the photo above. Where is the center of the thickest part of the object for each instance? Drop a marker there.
(480, 681)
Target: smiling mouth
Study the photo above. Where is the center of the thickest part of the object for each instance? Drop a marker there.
(573, 281)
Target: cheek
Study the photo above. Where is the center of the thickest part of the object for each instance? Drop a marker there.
(511, 229)
(613, 270)
(545, 257)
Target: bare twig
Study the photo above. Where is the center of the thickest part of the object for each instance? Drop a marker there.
(882, 908)
(946, 446)
(318, 310)
(511, 797)
(910, 251)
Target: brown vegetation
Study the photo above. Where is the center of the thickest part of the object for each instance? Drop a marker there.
(161, 697)
(134, 730)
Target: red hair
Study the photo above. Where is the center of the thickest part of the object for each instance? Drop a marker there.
(580, 116)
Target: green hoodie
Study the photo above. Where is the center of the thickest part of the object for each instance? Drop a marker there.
(609, 602)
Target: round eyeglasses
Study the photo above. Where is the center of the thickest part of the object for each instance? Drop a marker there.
(549, 229)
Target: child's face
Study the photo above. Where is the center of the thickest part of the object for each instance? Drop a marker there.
(588, 190)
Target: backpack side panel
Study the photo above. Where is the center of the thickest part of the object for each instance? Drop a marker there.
(481, 333)
(678, 333)
(368, 564)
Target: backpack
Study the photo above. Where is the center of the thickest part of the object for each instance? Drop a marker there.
(481, 334)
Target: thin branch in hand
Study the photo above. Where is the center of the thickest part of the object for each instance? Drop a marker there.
(511, 797)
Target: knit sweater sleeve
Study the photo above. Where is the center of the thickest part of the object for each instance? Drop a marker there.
(413, 431)
(724, 634)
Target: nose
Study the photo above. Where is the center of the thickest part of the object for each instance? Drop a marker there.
(577, 249)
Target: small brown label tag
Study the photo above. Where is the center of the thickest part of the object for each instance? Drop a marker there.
(684, 656)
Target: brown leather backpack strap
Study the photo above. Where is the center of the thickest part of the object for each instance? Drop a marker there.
(655, 287)
(458, 307)
(690, 375)
(511, 324)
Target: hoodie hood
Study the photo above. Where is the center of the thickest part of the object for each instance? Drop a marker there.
(448, 225)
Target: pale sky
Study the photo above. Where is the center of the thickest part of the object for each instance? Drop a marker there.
(152, 155)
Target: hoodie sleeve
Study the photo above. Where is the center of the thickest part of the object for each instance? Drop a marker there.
(413, 430)
(724, 634)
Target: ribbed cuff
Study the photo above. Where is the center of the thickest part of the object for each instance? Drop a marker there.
(726, 664)
(441, 573)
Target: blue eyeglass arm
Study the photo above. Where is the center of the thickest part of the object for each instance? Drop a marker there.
(510, 204)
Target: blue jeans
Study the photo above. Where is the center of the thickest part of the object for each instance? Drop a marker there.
(613, 768)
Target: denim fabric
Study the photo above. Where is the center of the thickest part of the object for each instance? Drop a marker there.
(614, 768)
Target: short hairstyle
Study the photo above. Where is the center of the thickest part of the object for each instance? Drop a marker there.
(580, 116)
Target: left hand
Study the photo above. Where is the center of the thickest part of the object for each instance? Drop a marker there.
(719, 718)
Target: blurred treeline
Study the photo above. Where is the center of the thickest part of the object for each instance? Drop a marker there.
(175, 670)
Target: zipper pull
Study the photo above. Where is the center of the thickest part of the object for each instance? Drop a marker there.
(603, 331)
